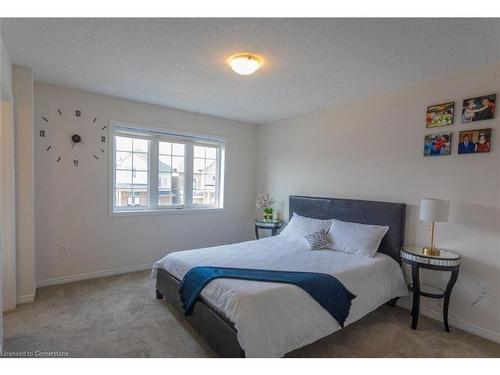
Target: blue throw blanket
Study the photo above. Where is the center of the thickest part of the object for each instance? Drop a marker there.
(325, 289)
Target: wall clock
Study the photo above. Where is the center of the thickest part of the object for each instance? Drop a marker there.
(74, 140)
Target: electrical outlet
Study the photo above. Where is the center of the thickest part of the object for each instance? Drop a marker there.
(485, 290)
(63, 249)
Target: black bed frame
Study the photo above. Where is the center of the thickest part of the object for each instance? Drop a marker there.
(219, 332)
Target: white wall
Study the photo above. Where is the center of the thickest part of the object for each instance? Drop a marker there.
(5, 73)
(7, 260)
(372, 149)
(22, 88)
(72, 202)
(7, 207)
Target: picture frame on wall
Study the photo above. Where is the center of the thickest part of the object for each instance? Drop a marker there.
(440, 115)
(437, 144)
(478, 108)
(474, 141)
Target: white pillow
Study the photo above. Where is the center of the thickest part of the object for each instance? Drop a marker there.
(300, 226)
(358, 239)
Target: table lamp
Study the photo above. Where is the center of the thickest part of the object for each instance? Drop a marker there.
(433, 210)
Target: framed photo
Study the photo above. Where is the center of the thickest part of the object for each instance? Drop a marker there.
(437, 144)
(478, 108)
(474, 141)
(440, 115)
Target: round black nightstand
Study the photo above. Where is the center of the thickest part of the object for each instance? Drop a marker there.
(272, 225)
(445, 261)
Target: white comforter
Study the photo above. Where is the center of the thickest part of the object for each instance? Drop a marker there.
(273, 319)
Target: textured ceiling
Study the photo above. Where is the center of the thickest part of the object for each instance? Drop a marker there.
(309, 63)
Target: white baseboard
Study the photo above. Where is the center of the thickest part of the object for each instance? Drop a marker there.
(25, 299)
(468, 327)
(92, 275)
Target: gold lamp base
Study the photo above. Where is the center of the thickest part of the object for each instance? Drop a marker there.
(431, 251)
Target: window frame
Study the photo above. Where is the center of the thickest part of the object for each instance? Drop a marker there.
(217, 175)
(154, 135)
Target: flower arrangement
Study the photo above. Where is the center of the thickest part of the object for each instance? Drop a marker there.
(265, 201)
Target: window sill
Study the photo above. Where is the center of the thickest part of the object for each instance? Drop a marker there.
(166, 211)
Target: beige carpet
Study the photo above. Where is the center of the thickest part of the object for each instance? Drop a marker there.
(119, 316)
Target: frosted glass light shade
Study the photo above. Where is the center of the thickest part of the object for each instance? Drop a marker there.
(434, 209)
(244, 64)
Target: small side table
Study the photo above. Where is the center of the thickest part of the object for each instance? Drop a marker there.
(272, 225)
(445, 261)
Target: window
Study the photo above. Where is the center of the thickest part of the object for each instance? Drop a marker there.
(155, 170)
(171, 171)
(131, 176)
(204, 175)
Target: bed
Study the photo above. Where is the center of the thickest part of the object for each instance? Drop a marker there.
(241, 318)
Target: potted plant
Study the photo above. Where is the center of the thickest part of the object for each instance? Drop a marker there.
(265, 201)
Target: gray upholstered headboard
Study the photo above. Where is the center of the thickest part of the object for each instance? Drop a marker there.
(365, 212)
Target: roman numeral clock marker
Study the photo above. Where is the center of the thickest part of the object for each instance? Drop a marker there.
(76, 141)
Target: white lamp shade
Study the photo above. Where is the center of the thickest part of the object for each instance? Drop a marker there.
(434, 209)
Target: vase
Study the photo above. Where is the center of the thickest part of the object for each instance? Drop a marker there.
(268, 213)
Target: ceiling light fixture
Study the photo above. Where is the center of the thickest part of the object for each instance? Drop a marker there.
(244, 64)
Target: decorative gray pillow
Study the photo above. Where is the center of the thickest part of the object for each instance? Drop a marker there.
(318, 240)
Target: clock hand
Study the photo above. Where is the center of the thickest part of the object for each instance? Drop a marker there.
(76, 139)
